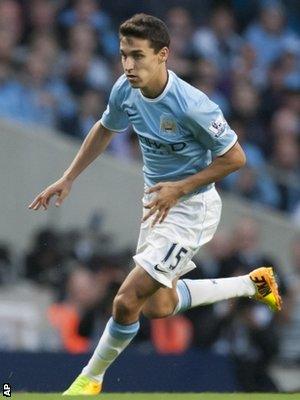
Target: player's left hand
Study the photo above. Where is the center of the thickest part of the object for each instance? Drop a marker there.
(167, 196)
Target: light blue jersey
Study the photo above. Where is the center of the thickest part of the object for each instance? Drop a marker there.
(179, 132)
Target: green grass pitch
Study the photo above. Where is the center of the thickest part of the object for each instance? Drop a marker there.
(161, 396)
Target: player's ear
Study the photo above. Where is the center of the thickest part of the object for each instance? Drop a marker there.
(163, 54)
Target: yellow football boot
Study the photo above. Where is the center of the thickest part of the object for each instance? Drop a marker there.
(266, 287)
(83, 386)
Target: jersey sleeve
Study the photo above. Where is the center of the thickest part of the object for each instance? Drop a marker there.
(114, 118)
(208, 125)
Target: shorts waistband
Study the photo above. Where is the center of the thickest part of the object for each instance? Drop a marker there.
(200, 190)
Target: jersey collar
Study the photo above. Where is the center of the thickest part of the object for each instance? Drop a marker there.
(165, 91)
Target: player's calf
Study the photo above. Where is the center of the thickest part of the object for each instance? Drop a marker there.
(152, 311)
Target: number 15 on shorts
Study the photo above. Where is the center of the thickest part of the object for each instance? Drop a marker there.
(175, 256)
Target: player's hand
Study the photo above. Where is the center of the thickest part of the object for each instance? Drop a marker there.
(60, 188)
(167, 196)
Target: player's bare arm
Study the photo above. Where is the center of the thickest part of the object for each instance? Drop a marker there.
(94, 144)
(168, 193)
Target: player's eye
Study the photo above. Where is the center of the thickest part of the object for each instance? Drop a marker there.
(138, 56)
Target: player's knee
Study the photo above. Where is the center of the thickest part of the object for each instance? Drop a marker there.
(124, 306)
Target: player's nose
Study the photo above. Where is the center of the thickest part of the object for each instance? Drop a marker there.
(128, 64)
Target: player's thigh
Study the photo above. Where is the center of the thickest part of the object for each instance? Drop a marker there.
(138, 286)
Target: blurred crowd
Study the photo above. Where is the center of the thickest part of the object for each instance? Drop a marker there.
(59, 59)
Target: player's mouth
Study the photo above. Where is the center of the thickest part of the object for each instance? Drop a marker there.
(132, 77)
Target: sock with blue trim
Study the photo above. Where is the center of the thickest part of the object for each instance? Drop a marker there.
(196, 292)
(114, 340)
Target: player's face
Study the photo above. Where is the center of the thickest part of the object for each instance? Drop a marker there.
(140, 62)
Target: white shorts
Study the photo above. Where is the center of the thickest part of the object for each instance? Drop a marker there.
(165, 250)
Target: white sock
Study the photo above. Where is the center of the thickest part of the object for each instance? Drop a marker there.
(197, 292)
(114, 340)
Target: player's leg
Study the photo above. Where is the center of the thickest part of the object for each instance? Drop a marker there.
(189, 293)
(119, 331)
(198, 292)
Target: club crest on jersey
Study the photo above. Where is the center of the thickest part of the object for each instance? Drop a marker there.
(218, 126)
(168, 124)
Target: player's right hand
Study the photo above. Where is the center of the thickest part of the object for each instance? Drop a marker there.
(60, 188)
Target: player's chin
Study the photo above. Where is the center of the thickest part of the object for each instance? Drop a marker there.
(135, 85)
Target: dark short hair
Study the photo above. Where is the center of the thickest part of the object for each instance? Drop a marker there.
(145, 26)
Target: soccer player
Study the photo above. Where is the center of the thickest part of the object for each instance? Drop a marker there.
(187, 145)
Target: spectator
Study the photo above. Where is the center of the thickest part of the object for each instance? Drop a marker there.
(45, 98)
(218, 42)
(8, 44)
(244, 67)
(85, 70)
(245, 103)
(108, 275)
(47, 47)
(36, 96)
(11, 19)
(283, 75)
(42, 16)
(270, 35)
(181, 29)
(247, 247)
(219, 258)
(88, 12)
(254, 181)
(273, 94)
(246, 236)
(286, 166)
(285, 124)
(45, 262)
(81, 293)
(90, 108)
(207, 77)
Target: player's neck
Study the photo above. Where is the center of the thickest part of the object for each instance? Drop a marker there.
(157, 85)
